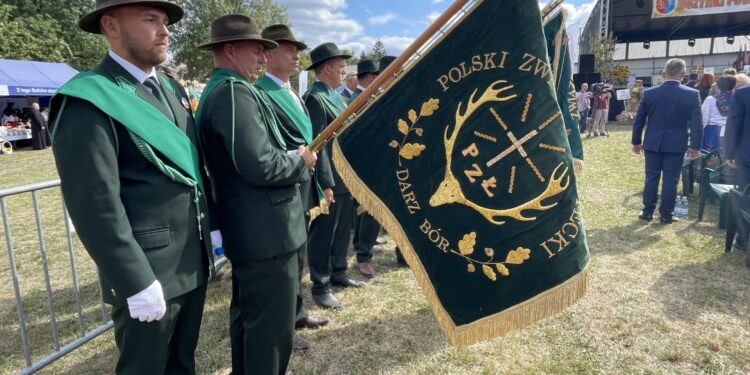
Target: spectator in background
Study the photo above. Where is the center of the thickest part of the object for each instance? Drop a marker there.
(704, 85)
(601, 113)
(45, 113)
(728, 72)
(715, 110)
(692, 80)
(584, 105)
(40, 138)
(349, 86)
(742, 81)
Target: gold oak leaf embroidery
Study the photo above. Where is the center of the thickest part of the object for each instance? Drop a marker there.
(411, 150)
(489, 272)
(403, 127)
(418, 131)
(471, 268)
(502, 269)
(413, 116)
(393, 144)
(518, 256)
(466, 245)
(429, 107)
(489, 251)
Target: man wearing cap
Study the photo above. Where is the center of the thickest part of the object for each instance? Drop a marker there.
(329, 234)
(296, 129)
(128, 157)
(366, 229)
(257, 195)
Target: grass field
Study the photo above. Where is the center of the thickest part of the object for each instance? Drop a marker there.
(662, 299)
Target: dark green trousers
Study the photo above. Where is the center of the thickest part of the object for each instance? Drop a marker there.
(366, 231)
(166, 346)
(328, 243)
(262, 314)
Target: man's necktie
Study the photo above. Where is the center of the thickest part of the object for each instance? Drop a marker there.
(156, 90)
(291, 92)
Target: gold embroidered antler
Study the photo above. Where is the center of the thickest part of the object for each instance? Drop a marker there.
(449, 191)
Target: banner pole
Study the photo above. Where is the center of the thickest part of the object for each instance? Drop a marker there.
(330, 131)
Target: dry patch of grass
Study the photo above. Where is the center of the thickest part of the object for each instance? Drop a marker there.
(662, 299)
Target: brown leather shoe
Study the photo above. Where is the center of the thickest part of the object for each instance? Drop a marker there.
(365, 268)
(311, 321)
(299, 343)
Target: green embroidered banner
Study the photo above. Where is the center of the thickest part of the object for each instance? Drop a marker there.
(559, 55)
(465, 161)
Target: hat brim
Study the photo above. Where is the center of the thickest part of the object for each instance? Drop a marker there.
(269, 44)
(313, 65)
(300, 45)
(90, 22)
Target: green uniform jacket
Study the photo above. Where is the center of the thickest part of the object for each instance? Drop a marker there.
(355, 95)
(258, 200)
(321, 117)
(136, 223)
(294, 138)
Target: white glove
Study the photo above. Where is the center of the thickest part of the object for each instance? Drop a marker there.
(216, 240)
(148, 305)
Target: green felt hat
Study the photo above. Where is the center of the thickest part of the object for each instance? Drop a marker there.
(323, 52)
(282, 33)
(367, 66)
(235, 28)
(385, 61)
(90, 22)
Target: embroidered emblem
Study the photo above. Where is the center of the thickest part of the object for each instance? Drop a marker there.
(167, 84)
(127, 86)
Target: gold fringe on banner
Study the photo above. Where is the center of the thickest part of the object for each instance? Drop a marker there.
(528, 312)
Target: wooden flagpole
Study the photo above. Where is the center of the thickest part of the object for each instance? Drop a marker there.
(330, 131)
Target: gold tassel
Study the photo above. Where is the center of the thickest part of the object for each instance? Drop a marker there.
(320, 209)
(578, 165)
(537, 308)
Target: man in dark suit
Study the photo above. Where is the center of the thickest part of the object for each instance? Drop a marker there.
(673, 112)
(296, 129)
(257, 195)
(737, 142)
(330, 234)
(39, 132)
(127, 154)
(366, 228)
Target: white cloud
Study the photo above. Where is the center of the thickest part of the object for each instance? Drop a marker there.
(320, 21)
(437, 1)
(432, 17)
(382, 19)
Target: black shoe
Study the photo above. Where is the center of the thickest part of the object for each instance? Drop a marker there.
(669, 219)
(645, 216)
(347, 282)
(311, 321)
(300, 343)
(327, 301)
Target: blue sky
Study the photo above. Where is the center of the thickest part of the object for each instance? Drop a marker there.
(356, 24)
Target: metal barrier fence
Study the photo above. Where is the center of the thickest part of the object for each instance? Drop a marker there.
(83, 335)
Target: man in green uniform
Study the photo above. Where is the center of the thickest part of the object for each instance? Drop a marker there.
(257, 195)
(366, 228)
(330, 234)
(127, 153)
(296, 129)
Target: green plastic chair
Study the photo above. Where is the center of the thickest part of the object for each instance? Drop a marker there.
(716, 179)
(735, 212)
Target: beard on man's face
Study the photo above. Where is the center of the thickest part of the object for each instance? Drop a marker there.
(150, 55)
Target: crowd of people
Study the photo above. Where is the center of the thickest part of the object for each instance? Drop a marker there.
(677, 121)
(33, 118)
(239, 167)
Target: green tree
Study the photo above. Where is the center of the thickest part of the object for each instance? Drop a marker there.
(52, 32)
(194, 29)
(603, 49)
(378, 51)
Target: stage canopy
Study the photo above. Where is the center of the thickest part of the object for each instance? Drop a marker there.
(632, 21)
(32, 78)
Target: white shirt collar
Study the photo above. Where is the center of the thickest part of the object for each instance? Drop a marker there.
(361, 88)
(277, 80)
(136, 72)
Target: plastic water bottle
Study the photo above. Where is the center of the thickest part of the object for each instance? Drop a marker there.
(679, 208)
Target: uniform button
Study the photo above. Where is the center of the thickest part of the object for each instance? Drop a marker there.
(113, 292)
(203, 215)
(200, 194)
